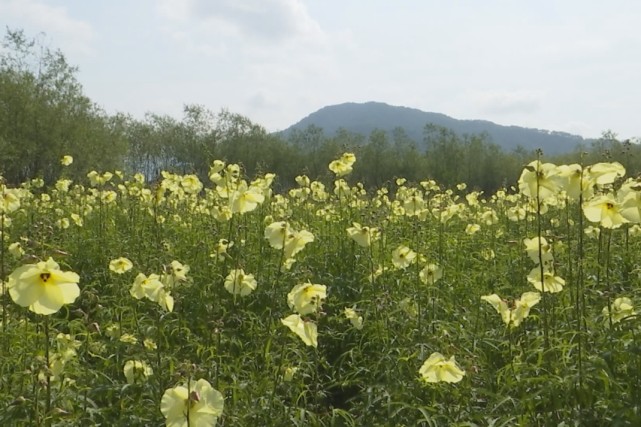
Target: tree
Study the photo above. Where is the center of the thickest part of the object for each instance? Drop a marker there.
(45, 115)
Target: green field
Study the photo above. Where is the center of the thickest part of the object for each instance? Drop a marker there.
(327, 305)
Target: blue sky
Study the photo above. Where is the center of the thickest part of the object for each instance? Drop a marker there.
(568, 65)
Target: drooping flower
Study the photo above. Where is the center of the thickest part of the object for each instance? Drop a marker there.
(605, 173)
(354, 318)
(43, 287)
(136, 371)
(305, 330)
(620, 309)
(296, 242)
(538, 180)
(239, 283)
(532, 249)
(306, 298)
(437, 369)
(363, 236)
(195, 405)
(120, 265)
(276, 233)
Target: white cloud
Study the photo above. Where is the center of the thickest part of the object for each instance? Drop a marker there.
(508, 102)
(71, 35)
(265, 21)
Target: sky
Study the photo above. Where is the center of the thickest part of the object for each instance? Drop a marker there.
(563, 65)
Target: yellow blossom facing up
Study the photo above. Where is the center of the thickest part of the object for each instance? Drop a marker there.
(620, 309)
(149, 344)
(550, 282)
(513, 317)
(363, 236)
(146, 286)
(66, 160)
(43, 287)
(238, 282)
(438, 369)
(306, 298)
(472, 229)
(120, 265)
(128, 339)
(16, 250)
(197, 404)
(430, 274)
(137, 371)
(305, 330)
(354, 318)
(403, 257)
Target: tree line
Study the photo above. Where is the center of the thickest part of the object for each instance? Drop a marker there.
(45, 115)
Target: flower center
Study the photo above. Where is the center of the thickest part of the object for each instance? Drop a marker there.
(45, 276)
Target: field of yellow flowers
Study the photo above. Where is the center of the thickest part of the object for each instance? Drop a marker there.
(185, 303)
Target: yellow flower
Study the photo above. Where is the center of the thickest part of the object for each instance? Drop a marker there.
(306, 331)
(354, 318)
(16, 250)
(146, 286)
(9, 200)
(289, 373)
(430, 274)
(196, 405)
(472, 229)
(66, 160)
(296, 242)
(306, 298)
(120, 265)
(239, 283)
(191, 184)
(437, 369)
(246, 199)
(128, 338)
(363, 236)
(136, 371)
(539, 179)
(620, 309)
(403, 257)
(43, 287)
(521, 310)
(276, 233)
(605, 173)
(343, 166)
(532, 249)
(605, 210)
(550, 282)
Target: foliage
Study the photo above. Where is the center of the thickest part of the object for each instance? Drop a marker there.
(334, 328)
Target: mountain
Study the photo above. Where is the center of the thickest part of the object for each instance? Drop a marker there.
(363, 118)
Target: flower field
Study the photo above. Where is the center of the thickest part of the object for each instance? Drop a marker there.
(185, 302)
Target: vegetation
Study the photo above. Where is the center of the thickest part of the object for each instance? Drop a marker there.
(364, 283)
